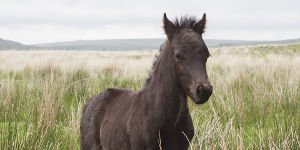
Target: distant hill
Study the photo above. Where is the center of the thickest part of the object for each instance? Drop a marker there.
(125, 44)
(222, 43)
(144, 44)
(116, 44)
(8, 44)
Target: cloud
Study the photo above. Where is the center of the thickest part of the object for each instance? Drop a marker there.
(34, 21)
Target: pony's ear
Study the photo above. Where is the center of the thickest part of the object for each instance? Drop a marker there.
(200, 25)
(169, 27)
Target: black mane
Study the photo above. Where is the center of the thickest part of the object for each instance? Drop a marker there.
(155, 62)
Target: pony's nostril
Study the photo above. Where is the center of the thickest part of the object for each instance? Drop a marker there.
(209, 89)
(199, 90)
(204, 90)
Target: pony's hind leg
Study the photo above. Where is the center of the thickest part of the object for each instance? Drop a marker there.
(89, 129)
(91, 140)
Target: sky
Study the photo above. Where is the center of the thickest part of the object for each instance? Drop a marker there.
(43, 21)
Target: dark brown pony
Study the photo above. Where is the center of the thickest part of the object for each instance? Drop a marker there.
(157, 116)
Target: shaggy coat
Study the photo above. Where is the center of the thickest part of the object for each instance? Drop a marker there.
(157, 116)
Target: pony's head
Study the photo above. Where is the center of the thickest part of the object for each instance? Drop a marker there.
(190, 54)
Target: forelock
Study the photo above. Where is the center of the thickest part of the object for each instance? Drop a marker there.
(185, 22)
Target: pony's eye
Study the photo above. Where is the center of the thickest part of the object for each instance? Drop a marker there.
(178, 57)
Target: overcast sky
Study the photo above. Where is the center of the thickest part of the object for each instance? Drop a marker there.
(40, 21)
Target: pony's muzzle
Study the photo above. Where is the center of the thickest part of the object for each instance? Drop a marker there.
(203, 92)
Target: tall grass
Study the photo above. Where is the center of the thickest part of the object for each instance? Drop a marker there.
(255, 104)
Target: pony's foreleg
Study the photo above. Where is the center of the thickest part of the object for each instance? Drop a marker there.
(187, 133)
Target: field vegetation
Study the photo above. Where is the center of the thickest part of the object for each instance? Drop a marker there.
(255, 103)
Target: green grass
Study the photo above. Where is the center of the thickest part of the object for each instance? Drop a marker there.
(254, 106)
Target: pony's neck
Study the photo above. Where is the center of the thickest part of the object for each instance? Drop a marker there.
(165, 92)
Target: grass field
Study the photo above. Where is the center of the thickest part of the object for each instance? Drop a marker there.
(255, 104)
